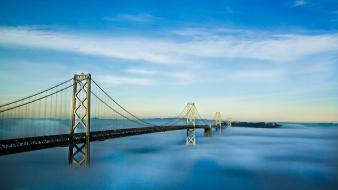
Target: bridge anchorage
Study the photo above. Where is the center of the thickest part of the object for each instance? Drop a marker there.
(79, 154)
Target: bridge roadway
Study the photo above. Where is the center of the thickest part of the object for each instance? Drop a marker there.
(12, 146)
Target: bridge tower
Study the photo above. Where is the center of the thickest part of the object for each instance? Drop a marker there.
(229, 122)
(79, 150)
(218, 120)
(191, 121)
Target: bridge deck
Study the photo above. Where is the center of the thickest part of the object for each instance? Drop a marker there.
(12, 146)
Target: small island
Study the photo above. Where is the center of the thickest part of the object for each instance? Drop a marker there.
(254, 124)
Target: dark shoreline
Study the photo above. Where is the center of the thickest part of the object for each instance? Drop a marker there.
(254, 124)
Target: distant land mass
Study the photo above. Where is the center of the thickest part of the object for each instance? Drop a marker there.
(160, 121)
(254, 124)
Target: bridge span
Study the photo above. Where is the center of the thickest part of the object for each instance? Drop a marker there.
(12, 146)
(81, 104)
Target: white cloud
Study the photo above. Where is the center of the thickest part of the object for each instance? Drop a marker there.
(275, 48)
(141, 71)
(300, 3)
(171, 77)
(147, 78)
(180, 75)
(178, 78)
(254, 74)
(142, 17)
(122, 80)
(117, 48)
(208, 33)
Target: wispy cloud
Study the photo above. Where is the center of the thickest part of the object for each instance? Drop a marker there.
(147, 79)
(132, 48)
(208, 33)
(300, 3)
(123, 80)
(141, 18)
(141, 71)
(255, 74)
(170, 77)
(276, 48)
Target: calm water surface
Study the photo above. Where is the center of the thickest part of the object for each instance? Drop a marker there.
(296, 156)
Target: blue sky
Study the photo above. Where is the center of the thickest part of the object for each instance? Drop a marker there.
(250, 60)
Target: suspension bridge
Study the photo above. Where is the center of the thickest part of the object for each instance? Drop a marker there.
(77, 111)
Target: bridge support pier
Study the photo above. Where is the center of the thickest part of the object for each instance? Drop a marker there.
(80, 120)
(79, 154)
(208, 132)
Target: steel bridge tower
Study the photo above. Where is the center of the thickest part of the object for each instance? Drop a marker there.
(229, 122)
(79, 154)
(218, 120)
(191, 122)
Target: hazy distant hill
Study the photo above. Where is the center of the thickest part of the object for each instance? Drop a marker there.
(254, 124)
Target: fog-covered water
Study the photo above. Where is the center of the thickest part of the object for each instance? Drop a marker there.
(296, 156)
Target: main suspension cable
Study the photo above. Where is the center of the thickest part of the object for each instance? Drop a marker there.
(36, 93)
(105, 103)
(36, 99)
(121, 105)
